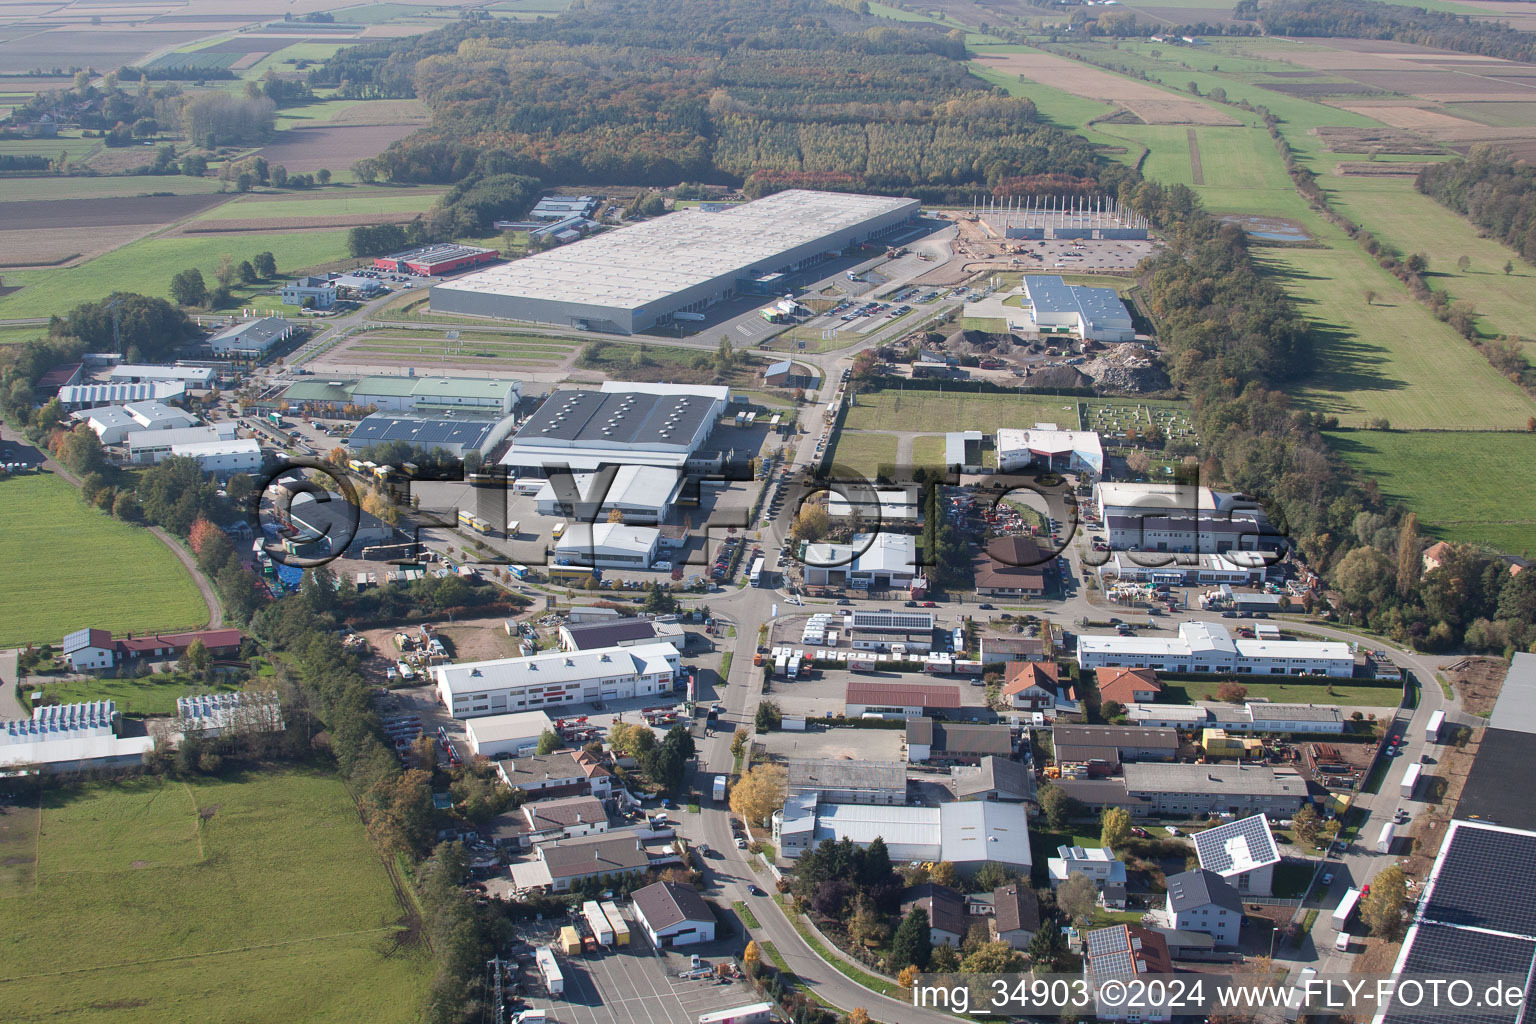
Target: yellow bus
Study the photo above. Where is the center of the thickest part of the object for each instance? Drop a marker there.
(473, 522)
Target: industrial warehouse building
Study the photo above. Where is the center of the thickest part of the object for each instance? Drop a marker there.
(505, 685)
(607, 545)
(488, 395)
(1066, 451)
(1207, 647)
(627, 280)
(456, 433)
(1182, 517)
(222, 458)
(251, 339)
(1094, 314)
(437, 258)
(641, 494)
(497, 736)
(622, 423)
(967, 834)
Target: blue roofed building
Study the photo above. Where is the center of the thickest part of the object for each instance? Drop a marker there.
(455, 433)
(1094, 314)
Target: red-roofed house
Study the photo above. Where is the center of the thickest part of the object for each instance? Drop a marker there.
(1128, 685)
(1032, 685)
(96, 649)
(1435, 554)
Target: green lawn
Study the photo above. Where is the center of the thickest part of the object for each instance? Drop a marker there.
(511, 346)
(1177, 691)
(1493, 497)
(907, 410)
(19, 190)
(928, 450)
(14, 335)
(862, 453)
(745, 913)
(147, 266)
(324, 203)
(1401, 216)
(152, 695)
(255, 900)
(83, 568)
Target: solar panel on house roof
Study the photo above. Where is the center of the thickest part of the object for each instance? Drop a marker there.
(1466, 891)
(1105, 940)
(1237, 846)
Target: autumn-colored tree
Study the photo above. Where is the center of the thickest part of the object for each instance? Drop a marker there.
(201, 533)
(858, 1015)
(1382, 908)
(616, 516)
(944, 873)
(908, 977)
(759, 793)
(751, 958)
(739, 742)
(1231, 692)
(1114, 827)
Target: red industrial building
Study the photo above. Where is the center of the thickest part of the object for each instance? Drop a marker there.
(438, 258)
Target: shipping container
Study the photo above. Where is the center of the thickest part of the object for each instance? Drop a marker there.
(602, 931)
(570, 940)
(1411, 778)
(616, 922)
(719, 788)
(554, 980)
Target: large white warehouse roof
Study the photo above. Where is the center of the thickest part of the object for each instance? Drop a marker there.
(652, 260)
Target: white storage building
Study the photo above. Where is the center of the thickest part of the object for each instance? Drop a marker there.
(641, 494)
(622, 423)
(477, 688)
(114, 423)
(251, 339)
(1206, 647)
(1066, 451)
(673, 915)
(497, 736)
(607, 545)
(222, 458)
(1182, 517)
(138, 373)
(151, 446)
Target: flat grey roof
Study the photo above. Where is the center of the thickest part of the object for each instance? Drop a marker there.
(829, 773)
(1515, 710)
(621, 417)
(1257, 780)
(466, 431)
(651, 260)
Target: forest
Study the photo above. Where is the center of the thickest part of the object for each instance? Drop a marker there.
(614, 93)
(1492, 190)
(1367, 19)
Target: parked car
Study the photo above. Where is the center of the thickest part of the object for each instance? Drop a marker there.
(1141, 833)
(1327, 879)
(755, 891)
(741, 844)
(843, 601)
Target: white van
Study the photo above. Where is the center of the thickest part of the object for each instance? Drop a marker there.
(1342, 943)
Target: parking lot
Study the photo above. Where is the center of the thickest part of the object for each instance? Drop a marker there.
(633, 984)
(837, 744)
(815, 693)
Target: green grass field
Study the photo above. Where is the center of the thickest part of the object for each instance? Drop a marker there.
(147, 266)
(928, 450)
(83, 568)
(253, 900)
(71, 145)
(16, 334)
(509, 347)
(1176, 692)
(862, 453)
(154, 694)
(1412, 222)
(904, 410)
(327, 203)
(19, 190)
(1475, 488)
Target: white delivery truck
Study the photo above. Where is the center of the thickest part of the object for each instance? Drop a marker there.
(602, 931)
(1411, 779)
(719, 788)
(1346, 909)
(1436, 723)
(1384, 840)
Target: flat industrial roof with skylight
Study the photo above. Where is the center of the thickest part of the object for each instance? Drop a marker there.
(629, 279)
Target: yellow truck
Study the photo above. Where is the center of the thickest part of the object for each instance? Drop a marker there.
(570, 941)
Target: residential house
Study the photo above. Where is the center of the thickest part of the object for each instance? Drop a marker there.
(1007, 649)
(310, 292)
(1099, 864)
(566, 818)
(88, 649)
(1016, 915)
(559, 865)
(1032, 685)
(1202, 901)
(1123, 953)
(1127, 686)
(562, 773)
(947, 919)
(673, 915)
(1242, 852)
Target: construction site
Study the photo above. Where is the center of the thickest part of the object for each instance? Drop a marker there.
(1060, 218)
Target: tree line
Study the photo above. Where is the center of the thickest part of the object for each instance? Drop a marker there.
(1367, 19)
(613, 93)
(1492, 190)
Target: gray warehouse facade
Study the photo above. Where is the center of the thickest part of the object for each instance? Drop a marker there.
(628, 280)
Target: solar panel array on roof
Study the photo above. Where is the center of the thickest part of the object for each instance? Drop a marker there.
(1237, 846)
(1443, 951)
(378, 428)
(1469, 887)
